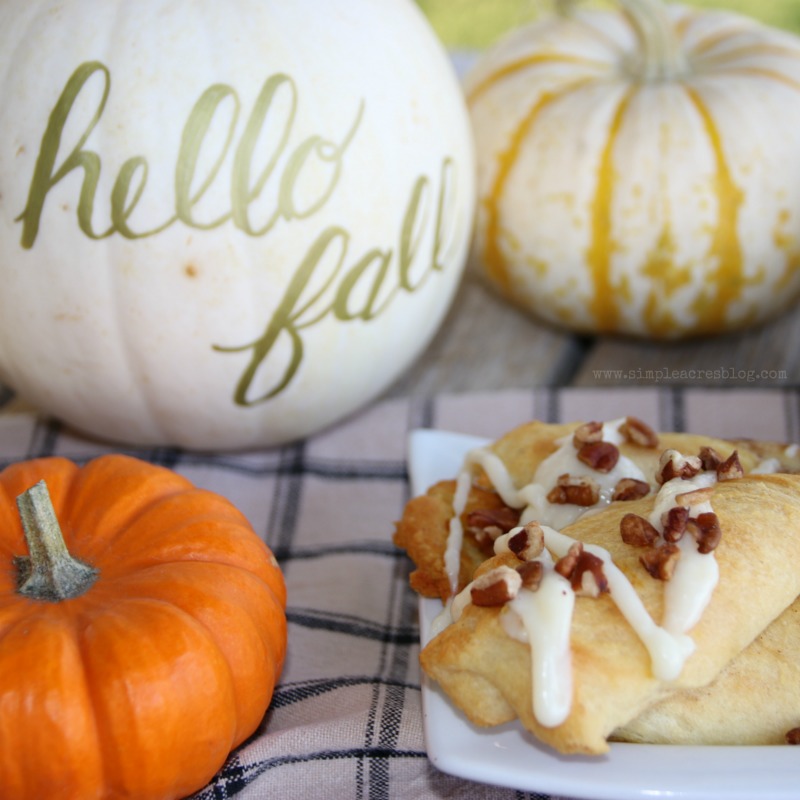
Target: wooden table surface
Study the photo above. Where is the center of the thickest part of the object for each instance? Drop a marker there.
(485, 343)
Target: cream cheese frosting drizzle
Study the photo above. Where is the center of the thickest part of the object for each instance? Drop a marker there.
(546, 617)
(565, 461)
(543, 618)
(689, 590)
(766, 467)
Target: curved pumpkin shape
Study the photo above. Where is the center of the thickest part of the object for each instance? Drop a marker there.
(224, 224)
(639, 170)
(166, 659)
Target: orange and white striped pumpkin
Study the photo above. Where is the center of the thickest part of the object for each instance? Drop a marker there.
(639, 170)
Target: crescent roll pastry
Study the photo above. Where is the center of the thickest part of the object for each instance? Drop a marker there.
(601, 580)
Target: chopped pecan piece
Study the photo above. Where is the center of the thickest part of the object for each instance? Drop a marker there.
(731, 468)
(660, 562)
(486, 524)
(589, 580)
(528, 543)
(673, 464)
(580, 490)
(637, 432)
(600, 456)
(709, 458)
(630, 489)
(531, 573)
(567, 563)
(637, 531)
(583, 570)
(706, 531)
(674, 522)
(587, 433)
(496, 587)
(793, 736)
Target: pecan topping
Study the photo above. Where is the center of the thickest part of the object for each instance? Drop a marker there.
(705, 530)
(566, 564)
(731, 468)
(674, 522)
(637, 432)
(589, 576)
(673, 464)
(600, 456)
(583, 570)
(660, 562)
(580, 490)
(528, 544)
(793, 736)
(637, 531)
(496, 587)
(486, 524)
(630, 489)
(587, 433)
(531, 573)
(709, 458)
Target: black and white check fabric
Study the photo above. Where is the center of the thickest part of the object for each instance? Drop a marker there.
(346, 719)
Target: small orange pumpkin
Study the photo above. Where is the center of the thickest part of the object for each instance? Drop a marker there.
(140, 648)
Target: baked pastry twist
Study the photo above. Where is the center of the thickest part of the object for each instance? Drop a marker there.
(603, 581)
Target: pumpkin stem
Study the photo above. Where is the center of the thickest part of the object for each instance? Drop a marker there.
(50, 573)
(661, 57)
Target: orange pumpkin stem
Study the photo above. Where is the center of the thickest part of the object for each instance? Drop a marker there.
(50, 573)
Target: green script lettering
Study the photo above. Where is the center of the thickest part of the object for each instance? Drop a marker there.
(190, 187)
(44, 176)
(322, 285)
(297, 312)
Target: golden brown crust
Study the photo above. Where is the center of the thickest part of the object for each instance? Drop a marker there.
(754, 701)
(613, 679)
(422, 530)
(487, 673)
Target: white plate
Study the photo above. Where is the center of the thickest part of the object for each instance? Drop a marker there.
(509, 756)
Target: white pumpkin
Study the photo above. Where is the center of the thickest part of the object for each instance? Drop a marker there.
(224, 225)
(639, 169)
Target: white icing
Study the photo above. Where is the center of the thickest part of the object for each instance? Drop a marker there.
(766, 467)
(452, 553)
(546, 617)
(792, 450)
(668, 652)
(688, 592)
(543, 618)
(443, 618)
(533, 496)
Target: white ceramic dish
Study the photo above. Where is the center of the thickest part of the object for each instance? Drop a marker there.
(508, 756)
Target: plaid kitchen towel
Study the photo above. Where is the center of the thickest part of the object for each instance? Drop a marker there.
(346, 720)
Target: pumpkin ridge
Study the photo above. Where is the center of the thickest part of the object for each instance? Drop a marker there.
(136, 485)
(736, 53)
(58, 625)
(237, 600)
(154, 776)
(239, 569)
(535, 59)
(274, 587)
(603, 305)
(727, 278)
(763, 72)
(226, 544)
(495, 262)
